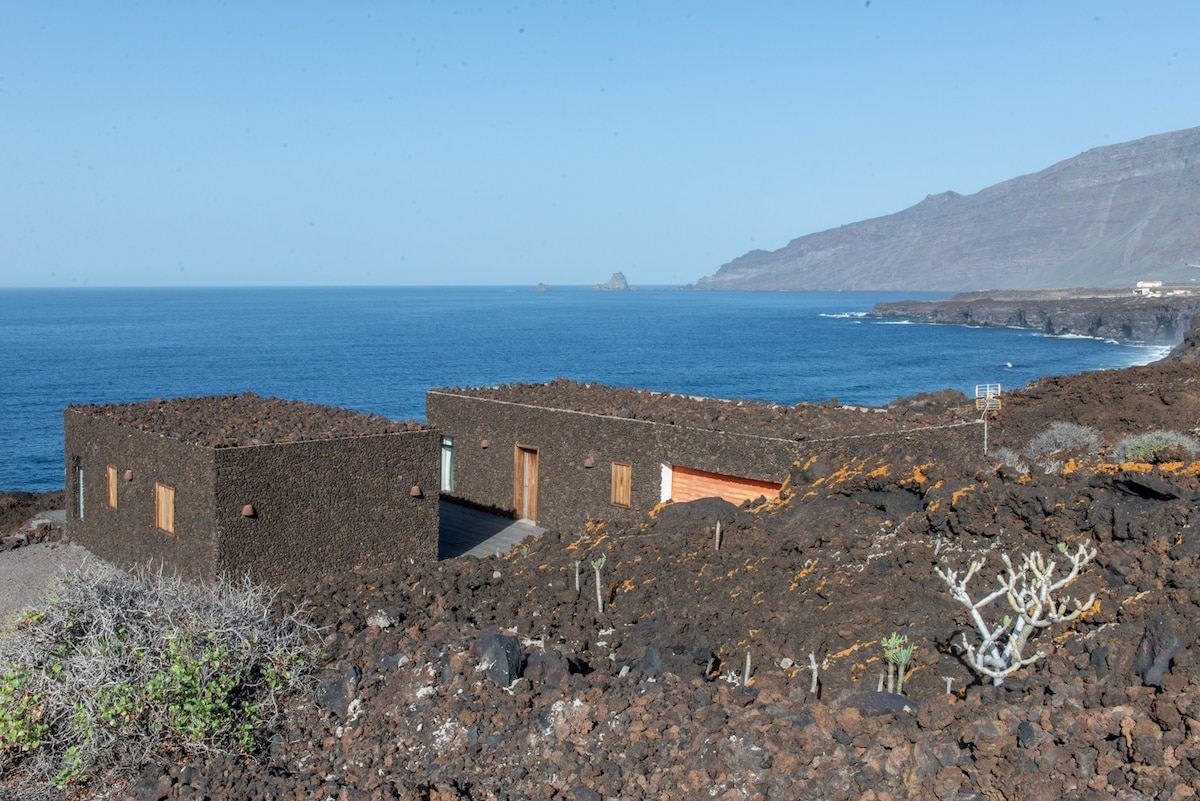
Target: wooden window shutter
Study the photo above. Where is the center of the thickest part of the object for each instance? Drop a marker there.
(111, 474)
(622, 484)
(164, 508)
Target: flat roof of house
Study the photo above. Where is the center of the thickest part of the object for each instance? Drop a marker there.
(231, 421)
(802, 421)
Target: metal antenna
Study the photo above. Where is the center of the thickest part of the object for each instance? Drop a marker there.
(987, 399)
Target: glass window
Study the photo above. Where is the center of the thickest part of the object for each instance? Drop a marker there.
(447, 464)
(79, 487)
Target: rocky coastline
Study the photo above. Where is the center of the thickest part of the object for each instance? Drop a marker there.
(649, 661)
(1105, 314)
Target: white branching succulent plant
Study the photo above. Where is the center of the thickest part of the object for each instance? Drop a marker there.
(1031, 592)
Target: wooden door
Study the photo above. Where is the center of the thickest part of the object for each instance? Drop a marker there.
(525, 480)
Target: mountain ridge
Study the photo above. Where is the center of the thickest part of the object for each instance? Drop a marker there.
(1111, 216)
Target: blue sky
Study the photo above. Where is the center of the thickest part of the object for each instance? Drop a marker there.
(263, 143)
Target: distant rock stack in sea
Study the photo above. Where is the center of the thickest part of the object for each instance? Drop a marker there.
(615, 284)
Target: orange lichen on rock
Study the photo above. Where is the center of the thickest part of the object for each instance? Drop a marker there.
(658, 507)
(1091, 611)
(847, 651)
(847, 471)
(808, 568)
(918, 474)
(958, 494)
(805, 465)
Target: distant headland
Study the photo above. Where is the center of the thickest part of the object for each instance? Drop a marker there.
(1151, 312)
(1109, 217)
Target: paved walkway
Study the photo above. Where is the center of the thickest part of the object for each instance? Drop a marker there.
(470, 532)
(463, 530)
(55, 517)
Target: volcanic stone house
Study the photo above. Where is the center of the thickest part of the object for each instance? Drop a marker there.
(232, 484)
(565, 452)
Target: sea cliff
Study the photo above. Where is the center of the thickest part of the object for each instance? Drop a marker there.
(1105, 314)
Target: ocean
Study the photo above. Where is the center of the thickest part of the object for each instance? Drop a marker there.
(378, 349)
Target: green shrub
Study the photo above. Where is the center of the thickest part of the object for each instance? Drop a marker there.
(1063, 436)
(1150, 447)
(118, 668)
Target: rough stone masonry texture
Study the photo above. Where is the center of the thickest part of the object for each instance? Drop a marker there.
(278, 489)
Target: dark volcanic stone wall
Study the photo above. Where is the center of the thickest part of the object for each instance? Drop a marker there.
(570, 493)
(327, 506)
(127, 535)
(321, 505)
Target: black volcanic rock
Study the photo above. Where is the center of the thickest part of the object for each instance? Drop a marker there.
(1120, 316)
(1109, 217)
(1187, 351)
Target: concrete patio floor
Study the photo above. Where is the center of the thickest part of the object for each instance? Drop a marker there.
(464, 531)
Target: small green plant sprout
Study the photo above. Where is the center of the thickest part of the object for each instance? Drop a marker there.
(596, 565)
(898, 652)
(578, 562)
(1031, 592)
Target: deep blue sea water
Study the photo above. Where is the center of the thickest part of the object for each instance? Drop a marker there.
(378, 350)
